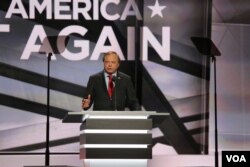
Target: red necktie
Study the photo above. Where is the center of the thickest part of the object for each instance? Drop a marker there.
(110, 86)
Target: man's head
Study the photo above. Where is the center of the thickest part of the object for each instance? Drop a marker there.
(111, 62)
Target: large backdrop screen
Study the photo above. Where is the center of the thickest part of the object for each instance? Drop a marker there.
(152, 38)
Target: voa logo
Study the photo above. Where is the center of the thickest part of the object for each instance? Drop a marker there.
(236, 158)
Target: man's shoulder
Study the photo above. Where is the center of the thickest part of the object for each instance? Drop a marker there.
(123, 75)
(97, 77)
(98, 74)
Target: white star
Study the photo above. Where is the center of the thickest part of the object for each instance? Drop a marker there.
(156, 9)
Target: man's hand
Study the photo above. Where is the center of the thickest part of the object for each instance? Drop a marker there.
(86, 102)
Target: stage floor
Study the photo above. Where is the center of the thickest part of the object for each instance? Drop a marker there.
(73, 160)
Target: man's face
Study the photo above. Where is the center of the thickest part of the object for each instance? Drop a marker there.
(111, 63)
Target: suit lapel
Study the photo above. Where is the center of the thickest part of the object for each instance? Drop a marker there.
(118, 82)
(104, 85)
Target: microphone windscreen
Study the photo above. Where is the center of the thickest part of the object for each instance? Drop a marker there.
(114, 78)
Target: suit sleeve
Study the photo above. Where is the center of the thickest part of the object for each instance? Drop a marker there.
(89, 90)
(133, 103)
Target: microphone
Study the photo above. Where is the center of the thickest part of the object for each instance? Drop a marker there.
(114, 80)
(49, 56)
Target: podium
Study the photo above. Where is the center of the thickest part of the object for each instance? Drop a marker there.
(107, 137)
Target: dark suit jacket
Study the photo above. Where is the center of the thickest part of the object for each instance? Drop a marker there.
(123, 95)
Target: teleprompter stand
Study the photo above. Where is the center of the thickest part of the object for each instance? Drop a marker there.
(51, 45)
(206, 47)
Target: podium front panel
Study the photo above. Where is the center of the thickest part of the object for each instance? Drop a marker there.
(116, 153)
(111, 138)
(116, 139)
(139, 124)
(115, 134)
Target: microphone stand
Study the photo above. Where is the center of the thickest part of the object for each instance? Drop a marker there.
(215, 115)
(114, 80)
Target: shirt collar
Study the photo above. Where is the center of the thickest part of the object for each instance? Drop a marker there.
(106, 74)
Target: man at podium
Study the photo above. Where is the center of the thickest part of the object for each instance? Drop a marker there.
(110, 89)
